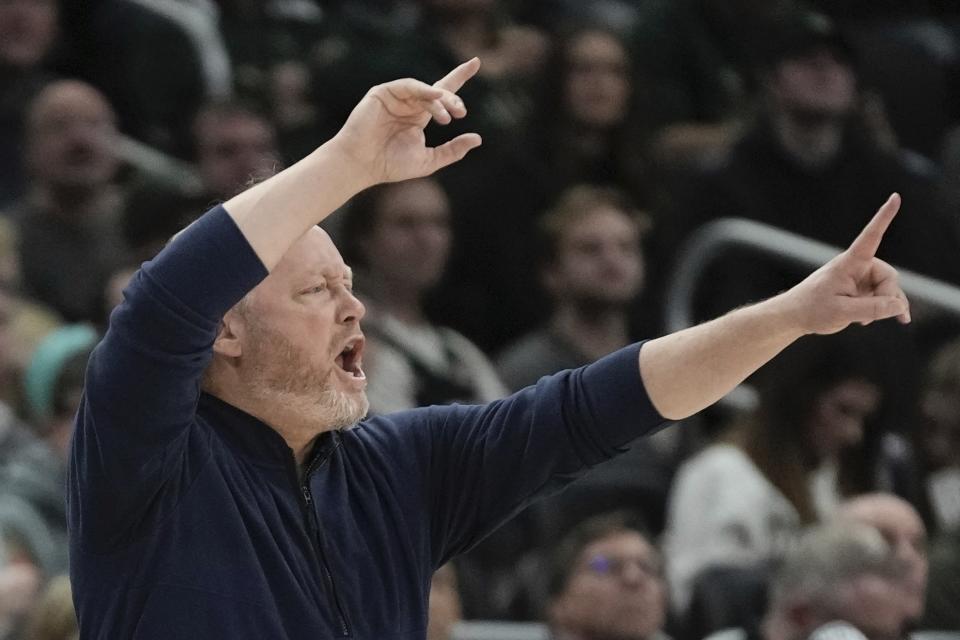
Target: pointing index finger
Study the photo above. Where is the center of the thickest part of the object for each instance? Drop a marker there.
(867, 243)
(459, 76)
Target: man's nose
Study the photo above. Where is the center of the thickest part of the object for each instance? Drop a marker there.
(353, 309)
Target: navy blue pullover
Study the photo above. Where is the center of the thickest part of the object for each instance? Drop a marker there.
(188, 519)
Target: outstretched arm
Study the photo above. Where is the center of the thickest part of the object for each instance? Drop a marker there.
(689, 370)
(382, 141)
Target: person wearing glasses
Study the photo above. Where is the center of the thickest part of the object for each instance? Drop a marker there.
(607, 581)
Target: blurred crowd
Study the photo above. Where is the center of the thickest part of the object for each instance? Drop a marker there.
(614, 130)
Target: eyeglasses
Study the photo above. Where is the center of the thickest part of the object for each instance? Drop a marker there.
(609, 565)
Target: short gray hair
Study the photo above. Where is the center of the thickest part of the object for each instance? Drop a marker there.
(826, 558)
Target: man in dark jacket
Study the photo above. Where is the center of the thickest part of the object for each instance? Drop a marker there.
(216, 489)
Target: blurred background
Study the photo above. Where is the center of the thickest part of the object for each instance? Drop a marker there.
(617, 133)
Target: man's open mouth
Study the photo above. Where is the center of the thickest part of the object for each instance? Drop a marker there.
(351, 358)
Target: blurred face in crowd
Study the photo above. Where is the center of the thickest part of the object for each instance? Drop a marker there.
(445, 609)
(900, 525)
(940, 429)
(599, 262)
(616, 590)
(233, 148)
(818, 83)
(597, 84)
(27, 31)
(295, 342)
(409, 244)
(71, 137)
(839, 414)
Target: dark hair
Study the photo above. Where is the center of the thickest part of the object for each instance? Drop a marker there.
(553, 86)
(775, 436)
(599, 527)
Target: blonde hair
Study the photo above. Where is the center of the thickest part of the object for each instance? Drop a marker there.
(578, 202)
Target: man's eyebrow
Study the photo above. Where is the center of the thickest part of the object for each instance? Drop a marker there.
(348, 273)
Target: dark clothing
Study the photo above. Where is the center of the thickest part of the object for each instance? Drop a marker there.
(762, 182)
(537, 354)
(66, 264)
(187, 516)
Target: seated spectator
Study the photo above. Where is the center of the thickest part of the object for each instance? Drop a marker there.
(445, 609)
(808, 164)
(593, 269)
(900, 525)
(68, 233)
(234, 145)
(741, 501)
(937, 441)
(607, 581)
(398, 238)
(28, 33)
(841, 573)
(33, 464)
(587, 128)
(582, 132)
(696, 57)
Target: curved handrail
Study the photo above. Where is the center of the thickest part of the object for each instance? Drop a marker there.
(706, 244)
(712, 238)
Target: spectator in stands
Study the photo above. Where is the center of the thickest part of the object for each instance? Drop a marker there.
(742, 500)
(586, 123)
(805, 164)
(398, 236)
(234, 145)
(68, 232)
(582, 132)
(696, 58)
(33, 463)
(937, 441)
(593, 269)
(28, 32)
(900, 525)
(445, 609)
(607, 581)
(840, 573)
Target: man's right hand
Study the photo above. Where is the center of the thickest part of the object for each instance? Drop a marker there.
(384, 139)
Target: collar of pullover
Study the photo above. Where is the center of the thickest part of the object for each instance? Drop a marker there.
(254, 439)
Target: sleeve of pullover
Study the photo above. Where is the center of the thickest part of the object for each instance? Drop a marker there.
(134, 446)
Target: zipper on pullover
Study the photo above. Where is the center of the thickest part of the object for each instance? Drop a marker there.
(313, 526)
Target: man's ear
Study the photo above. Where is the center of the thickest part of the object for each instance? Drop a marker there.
(228, 341)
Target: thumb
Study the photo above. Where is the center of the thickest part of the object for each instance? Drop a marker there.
(867, 309)
(453, 151)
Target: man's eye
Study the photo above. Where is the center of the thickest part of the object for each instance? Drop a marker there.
(317, 289)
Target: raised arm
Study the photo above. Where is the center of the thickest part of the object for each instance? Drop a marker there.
(382, 141)
(687, 371)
